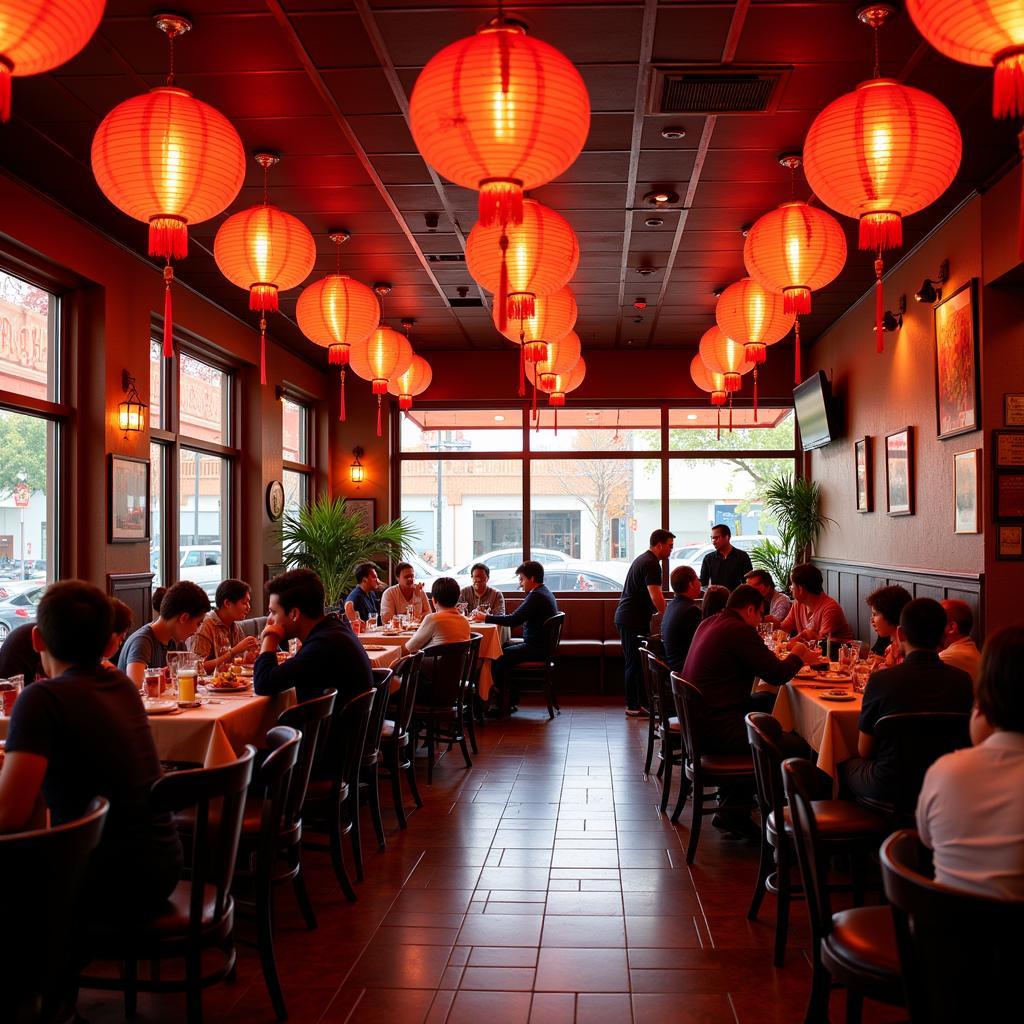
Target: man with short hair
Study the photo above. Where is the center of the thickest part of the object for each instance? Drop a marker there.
(480, 594)
(537, 607)
(922, 682)
(957, 646)
(362, 600)
(217, 640)
(330, 656)
(776, 604)
(725, 566)
(406, 597)
(641, 598)
(682, 616)
(814, 615)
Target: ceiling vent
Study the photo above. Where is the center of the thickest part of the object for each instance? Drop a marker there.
(446, 257)
(727, 90)
(466, 303)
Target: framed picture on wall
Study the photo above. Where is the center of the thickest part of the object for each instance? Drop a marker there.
(862, 473)
(128, 497)
(1013, 409)
(967, 491)
(1010, 543)
(899, 472)
(363, 508)
(956, 362)
(1009, 497)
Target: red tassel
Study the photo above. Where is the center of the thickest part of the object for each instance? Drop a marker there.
(718, 432)
(796, 300)
(730, 414)
(1008, 92)
(755, 394)
(533, 387)
(881, 230)
(263, 350)
(522, 305)
(556, 421)
(5, 90)
(501, 202)
(522, 367)
(879, 305)
(263, 297)
(168, 238)
(168, 317)
(1020, 235)
(502, 295)
(341, 411)
(337, 355)
(797, 374)
(378, 415)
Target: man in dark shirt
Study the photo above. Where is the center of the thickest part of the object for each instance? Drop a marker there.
(363, 599)
(330, 656)
(682, 616)
(538, 606)
(19, 657)
(725, 566)
(923, 682)
(641, 598)
(83, 733)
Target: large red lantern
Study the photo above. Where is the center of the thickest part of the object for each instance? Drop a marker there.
(558, 385)
(520, 262)
(169, 160)
(553, 318)
(499, 112)
(381, 358)
(756, 317)
(721, 354)
(413, 382)
(38, 35)
(562, 356)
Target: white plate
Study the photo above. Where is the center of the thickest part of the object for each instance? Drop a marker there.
(160, 707)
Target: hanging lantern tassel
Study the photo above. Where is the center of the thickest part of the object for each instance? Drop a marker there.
(168, 319)
(718, 432)
(263, 350)
(879, 304)
(522, 364)
(5, 89)
(1008, 94)
(378, 414)
(503, 284)
(341, 409)
(1020, 237)
(755, 393)
(797, 374)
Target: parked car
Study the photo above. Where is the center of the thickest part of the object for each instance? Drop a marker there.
(510, 558)
(572, 575)
(694, 555)
(201, 564)
(17, 610)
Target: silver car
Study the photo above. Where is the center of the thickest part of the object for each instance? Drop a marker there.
(18, 610)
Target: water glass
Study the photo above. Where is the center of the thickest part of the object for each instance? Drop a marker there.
(861, 673)
(814, 646)
(462, 608)
(371, 623)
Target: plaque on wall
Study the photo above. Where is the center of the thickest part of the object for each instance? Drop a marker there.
(1010, 543)
(1009, 448)
(1009, 501)
(1013, 410)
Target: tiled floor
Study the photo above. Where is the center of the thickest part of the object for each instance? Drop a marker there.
(540, 887)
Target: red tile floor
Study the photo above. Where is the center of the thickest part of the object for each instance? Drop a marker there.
(540, 887)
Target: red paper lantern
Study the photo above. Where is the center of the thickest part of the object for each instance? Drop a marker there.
(382, 357)
(500, 112)
(553, 318)
(38, 35)
(986, 33)
(708, 380)
(413, 382)
(336, 312)
(563, 355)
(723, 355)
(749, 313)
(558, 385)
(266, 251)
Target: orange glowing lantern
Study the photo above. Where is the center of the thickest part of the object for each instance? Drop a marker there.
(712, 382)
(558, 385)
(499, 112)
(381, 358)
(723, 355)
(38, 35)
(169, 160)
(522, 261)
(562, 356)
(554, 316)
(413, 382)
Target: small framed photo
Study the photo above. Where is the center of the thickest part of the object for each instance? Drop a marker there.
(363, 509)
(1008, 448)
(1010, 543)
(899, 472)
(956, 362)
(129, 500)
(967, 491)
(1009, 497)
(863, 477)
(1013, 409)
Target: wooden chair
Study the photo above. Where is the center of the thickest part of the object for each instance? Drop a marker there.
(845, 826)
(44, 871)
(702, 770)
(330, 804)
(200, 914)
(396, 739)
(472, 679)
(368, 776)
(540, 674)
(668, 731)
(959, 952)
(855, 947)
(651, 696)
(442, 701)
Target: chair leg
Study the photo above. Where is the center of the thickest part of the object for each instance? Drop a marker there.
(684, 792)
(817, 1005)
(130, 974)
(378, 819)
(854, 1006)
(857, 876)
(696, 818)
(394, 757)
(299, 888)
(650, 744)
(471, 729)
(462, 744)
(193, 988)
(410, 777)
(356, 833)
(549, 693)
(338, 863)
(265, 943)
(430, 753)
(666, 778)
(764, 869)
(784, 884)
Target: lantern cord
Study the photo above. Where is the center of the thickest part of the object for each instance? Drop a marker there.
(533, 388)
(168, 319)
(730, 412)
(879, 304)
(502, 295)
(6, 70)
(170, 57)
(755, 394)
(1020, 238)
(556, 421)
(796, 351)
(878, 62)
(341, 410)
(718, 413)
(522, 364)
(263, 350)
(378, 415)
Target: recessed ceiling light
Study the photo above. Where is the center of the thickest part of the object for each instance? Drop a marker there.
(499, 419)
(654, 222)
(673, 133)
(691, 415)
(661, 196)
(645, 270)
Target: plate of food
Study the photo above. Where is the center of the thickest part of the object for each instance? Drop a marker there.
(160, 707)
(229, 681)
(374, 647)
(837, 695)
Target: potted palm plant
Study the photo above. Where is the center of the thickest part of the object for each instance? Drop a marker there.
(325, 537)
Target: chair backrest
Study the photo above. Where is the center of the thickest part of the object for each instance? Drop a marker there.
(473, 657)
(919, 739)
(945, 937)
(43, 872)
(655, 645)
(650, 686)
(273, 779)
(447, 672)
(251, 627)
(798, 776)
(312, 720)
(661, 686)
(408, 672)
(348, 740)
(218, 797)
(553, 635)
(382, 688)
(689, 704)
(763, 734)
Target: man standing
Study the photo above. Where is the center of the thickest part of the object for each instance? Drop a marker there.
(958, 648)
(725, 566)
(641, 598)
(776, 604)
(814, 615)
(406, 597)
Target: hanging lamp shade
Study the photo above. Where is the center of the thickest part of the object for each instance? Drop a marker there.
(754, 316)
(554, 316)
(708, 380)
(794, 249)
(560, 384)
(38, 35)
(382, 357)
(562, 356)
(723, 355)
(987, 33)
(499, 112)
(337, 312)
(413, 382)
(520, 262)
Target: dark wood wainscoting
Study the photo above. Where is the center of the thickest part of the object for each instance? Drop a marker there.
(851, 582)
(136, 590)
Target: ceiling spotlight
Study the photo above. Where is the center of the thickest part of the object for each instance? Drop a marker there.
(382, 288)
(892, 319)
(640, 304)
(431, 220)
(654, 222)
(644, 271)
(928, 292)
(673, 133)
(717, 293)
(745, 230)
(661, 197)
(638, 319)
(691, 415)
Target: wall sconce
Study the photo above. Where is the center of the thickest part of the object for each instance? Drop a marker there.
(892, 320)
(928, 292)
(356, 472)
(131, 413)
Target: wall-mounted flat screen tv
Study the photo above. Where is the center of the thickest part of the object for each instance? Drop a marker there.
(814, 411)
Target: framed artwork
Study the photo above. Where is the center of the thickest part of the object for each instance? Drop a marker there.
(1013, 410)
(956, 362)
(363, 508)
(899, 472)
(128, 500)
(1008, 448)
(967, 491)
(1010, 543)
(1009, 496)
(862, 473)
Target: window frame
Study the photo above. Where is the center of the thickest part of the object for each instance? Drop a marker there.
(306, 469)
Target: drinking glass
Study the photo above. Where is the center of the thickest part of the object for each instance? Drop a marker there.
(861, 672)
(152, 683)
(814, 646)
(462, 608)
(371, 623)
(10, 688)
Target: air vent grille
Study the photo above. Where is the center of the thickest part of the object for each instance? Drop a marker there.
(446, 257)
(465, 303)
(716, 92)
